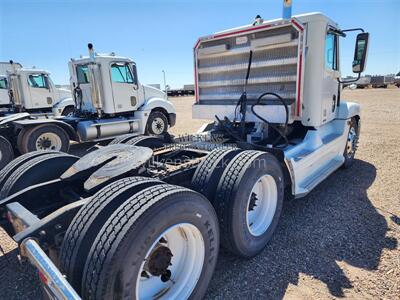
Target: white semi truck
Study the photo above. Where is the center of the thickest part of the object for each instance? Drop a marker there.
(31, 90)
(109, 101)
(139, 220)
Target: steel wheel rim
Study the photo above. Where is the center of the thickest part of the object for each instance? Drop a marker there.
(261, 209)
(351, 142)
(157, 125)
(48, 141)
(188, 249)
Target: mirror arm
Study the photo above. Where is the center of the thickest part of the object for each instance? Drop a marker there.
(353, 29)
(350, 81)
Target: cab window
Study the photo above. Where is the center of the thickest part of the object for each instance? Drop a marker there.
(331, 51)
(37, 81)
(3, 83)
(82, 73)
(121, 73)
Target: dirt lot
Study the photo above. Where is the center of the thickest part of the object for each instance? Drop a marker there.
(342, 240)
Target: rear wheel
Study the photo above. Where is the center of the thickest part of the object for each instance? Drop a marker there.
(37, 170)
(91, 217)
(209, 171)
(146, 141)
(44, 137)
(249, 201)
(6, 152)
(161, 243)
(157, 123)
(122, 139)
(20, 160)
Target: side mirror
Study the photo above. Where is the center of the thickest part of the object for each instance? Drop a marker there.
(360, 53)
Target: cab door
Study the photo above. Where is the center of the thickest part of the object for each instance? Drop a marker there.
(330, 96)
(124, 86)
(39, 91)
(4, 98)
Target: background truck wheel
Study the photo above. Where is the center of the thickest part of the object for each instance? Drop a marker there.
(161, 243)
(351, 144)
(249, 202)
(146, 141)
(91, 217)
(6, 152)
(14, 164)
(37, 170)
(157, 123)
(68, 111)
(122, 139)
(44, 137)
(209, 171)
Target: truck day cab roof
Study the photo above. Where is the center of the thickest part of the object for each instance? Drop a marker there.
(304, 18)
(99, 57)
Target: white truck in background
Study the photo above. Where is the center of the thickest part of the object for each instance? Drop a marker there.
(108, 100)
(138, 221)
(32, 90)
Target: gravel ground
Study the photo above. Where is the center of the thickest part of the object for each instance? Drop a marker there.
(342, 240)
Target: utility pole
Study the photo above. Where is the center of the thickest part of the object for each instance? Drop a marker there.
(165, 82)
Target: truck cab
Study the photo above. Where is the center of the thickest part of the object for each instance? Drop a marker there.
(32, 90)
(108, 85)
(277, 84)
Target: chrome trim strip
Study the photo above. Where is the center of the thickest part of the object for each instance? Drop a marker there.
(57, 285)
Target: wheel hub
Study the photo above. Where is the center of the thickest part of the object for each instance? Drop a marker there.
(261, 205)
(158, 125)
(172, 265)
(48, 141)
(159, 261)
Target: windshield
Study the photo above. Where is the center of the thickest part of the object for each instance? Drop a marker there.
(3, 83)
(82, 73)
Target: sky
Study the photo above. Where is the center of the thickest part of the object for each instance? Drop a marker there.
(160, 35)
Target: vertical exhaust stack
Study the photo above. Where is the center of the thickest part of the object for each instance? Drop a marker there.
(287, 9)
(14, 87)
(95, 81)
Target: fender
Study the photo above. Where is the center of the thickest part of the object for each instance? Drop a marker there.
(348, 110)
(156, 102)
(164, 104)
(62, 104)
(34, 122)
(14, 117)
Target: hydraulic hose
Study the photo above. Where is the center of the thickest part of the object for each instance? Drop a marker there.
(282, 134)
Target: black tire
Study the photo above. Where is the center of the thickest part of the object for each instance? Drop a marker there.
(14, 164)
(31, 136)
(20, 138)
(115, 259)
(146, 141)
(91, 217)
(6, 152)
(37, 170)
(351, 143)
(209, 171)
(68, 111)
(231, 201)
(161, 120)
(122, 139)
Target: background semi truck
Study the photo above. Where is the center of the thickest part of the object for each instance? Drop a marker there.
(145, 219)
(109, 101)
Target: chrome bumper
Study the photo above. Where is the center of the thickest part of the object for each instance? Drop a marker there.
(55, 283)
